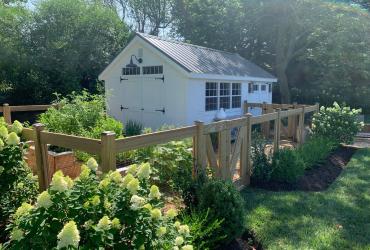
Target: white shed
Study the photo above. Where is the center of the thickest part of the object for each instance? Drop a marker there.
(157, 81)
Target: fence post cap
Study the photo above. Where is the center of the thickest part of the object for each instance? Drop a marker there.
(108, 133)
(198, 122)
(6, 104)
(248, 114)
(38, 125)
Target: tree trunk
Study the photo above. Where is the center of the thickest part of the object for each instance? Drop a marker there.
(284, 85)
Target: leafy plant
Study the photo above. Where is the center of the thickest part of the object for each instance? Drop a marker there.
(112, 212)
(133, 128)
(287, 166)
(225, 204)
(315, 150)
(338, 123)
(262, 168)
(206, 233)
(17, 183)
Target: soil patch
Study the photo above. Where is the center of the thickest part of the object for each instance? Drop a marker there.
(319, 177)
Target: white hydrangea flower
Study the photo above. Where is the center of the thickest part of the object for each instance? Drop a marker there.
(132, 169)
(92, 164)
(187, 247)
(127, 179)
(161, 231)
(58, 182)
(16, 234)
(154, 192)
(184, 229)
(116, 176)
(116, 224)
(179, 241)
(104, 223)
(171, 213)
(17, 127)
(144, 171)
(137, 202)
(1, 169)
(44, 200)
(133, 186)
(22, 210)
(69, 236)
(85, 172)
(1, 145)
(3, 132)
(13, 139)
(156, 214)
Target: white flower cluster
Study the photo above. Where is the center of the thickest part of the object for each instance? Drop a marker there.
(11, 138)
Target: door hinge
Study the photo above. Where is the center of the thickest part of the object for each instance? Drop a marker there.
(122, 108)
(160, 78)
(161, 110)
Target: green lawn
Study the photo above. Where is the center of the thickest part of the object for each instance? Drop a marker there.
(338, 218)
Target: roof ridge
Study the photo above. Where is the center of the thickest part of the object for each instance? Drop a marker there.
(184, 43)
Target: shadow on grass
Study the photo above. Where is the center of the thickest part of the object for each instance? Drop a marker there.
(338, 218)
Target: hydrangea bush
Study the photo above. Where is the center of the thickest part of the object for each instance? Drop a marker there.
(17, 183)
(338, 123)
(90, 212)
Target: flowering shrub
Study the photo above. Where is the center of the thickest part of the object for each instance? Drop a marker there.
(17, 183)
(113, 212)
(337, 123)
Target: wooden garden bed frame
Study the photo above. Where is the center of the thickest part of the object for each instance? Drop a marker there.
(223, 163)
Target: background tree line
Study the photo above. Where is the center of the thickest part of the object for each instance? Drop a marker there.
(318, 49)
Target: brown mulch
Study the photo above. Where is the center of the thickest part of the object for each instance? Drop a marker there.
(246, 242)
(319, 177)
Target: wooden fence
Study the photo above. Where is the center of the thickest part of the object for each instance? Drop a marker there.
(224, 162)
(7, 110)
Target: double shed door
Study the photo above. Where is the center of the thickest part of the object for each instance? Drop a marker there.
(143, 99)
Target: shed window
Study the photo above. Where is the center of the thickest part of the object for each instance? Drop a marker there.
(225, 95)
(255, 87)
(131, 71)
(152, 70)
(250, 87)
(236, 98)
(270, 88)
(211, 96)
(263, 87)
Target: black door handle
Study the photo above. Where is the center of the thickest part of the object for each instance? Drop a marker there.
(161, 110)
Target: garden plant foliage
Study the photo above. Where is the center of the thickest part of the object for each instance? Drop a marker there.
(90, 212)
(17, 183)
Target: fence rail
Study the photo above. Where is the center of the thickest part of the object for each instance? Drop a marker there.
(7, 110)
(224, 162)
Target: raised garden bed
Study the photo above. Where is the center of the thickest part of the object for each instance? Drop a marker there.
(65, 161)
(319, 177)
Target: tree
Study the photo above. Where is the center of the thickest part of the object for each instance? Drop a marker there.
(310, 45)
(150, 16)
(66, 43)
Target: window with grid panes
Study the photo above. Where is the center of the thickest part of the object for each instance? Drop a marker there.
(152, 70)
(225, 95)
(131, 71)
(211, 96)
(236, 97)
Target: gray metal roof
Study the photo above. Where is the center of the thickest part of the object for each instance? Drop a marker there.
(197, 59)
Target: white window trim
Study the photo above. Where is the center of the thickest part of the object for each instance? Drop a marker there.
(219, 96)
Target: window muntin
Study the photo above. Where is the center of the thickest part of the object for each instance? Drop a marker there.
(255, 87)
(236, 96)
(263, 87)
(131, 71)
(152, 70)
(225, 95)
(211, 96)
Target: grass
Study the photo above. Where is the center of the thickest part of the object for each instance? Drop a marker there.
(337, 218)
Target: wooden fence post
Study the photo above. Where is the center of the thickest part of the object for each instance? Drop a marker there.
(265, 125)
(41, 152)
(317, 107)
(7, 113)
(245, 152)
(277, 129)
(224, 151)
(108, 151)
(200, 150)
(301, 126)
(245, 107)
(291, 123)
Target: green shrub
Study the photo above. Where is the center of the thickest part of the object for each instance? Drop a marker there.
(315, 150)
(94, 213)
(261, 162)
(80, 114)
(172, 163)
(338, 123)
(206, 233)
(287, 166)
(17, 183)
(133, 128)
(225, 203)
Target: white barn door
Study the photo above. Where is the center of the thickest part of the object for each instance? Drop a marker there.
(154, 110)
(143, 101)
